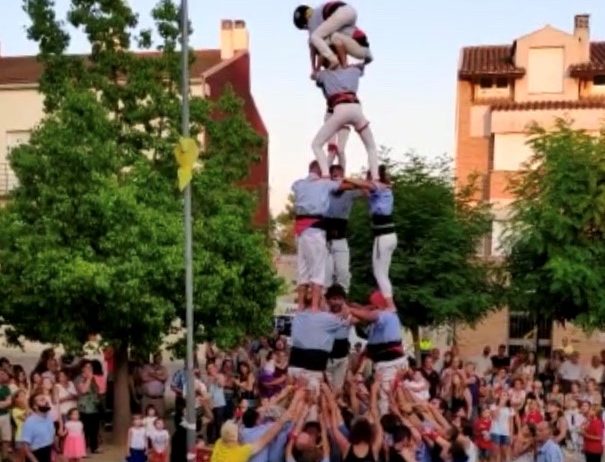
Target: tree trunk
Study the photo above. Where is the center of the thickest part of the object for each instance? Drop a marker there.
(121, 405)
(416, 339)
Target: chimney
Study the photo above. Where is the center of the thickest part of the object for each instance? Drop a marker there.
(581, 32)
(227, 49)
(240, 36)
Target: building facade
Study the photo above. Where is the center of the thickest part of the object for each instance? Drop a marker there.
(501, 90)
(21, 105)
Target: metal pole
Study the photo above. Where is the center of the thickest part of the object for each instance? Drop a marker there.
(190, 412)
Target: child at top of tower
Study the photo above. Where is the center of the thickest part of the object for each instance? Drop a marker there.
(340, 88)
(333, 23)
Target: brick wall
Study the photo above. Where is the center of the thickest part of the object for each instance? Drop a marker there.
(237, 74)
(472, 153)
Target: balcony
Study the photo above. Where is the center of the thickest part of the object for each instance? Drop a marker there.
(8, 179)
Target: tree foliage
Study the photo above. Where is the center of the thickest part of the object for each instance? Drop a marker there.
(435, 274)
(285, 236)
(92, 237)
(557, 227)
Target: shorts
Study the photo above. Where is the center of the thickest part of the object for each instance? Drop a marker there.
(6, 428)
(312, 255)
(500, 440)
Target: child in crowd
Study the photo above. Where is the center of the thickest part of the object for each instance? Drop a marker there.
(482, 434)
(137, 440)
(74, 446)
(151, 416)
(18, 414)
(159, 439)
(575, 421)
(502, 428)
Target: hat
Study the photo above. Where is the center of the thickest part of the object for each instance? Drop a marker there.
(300, 18)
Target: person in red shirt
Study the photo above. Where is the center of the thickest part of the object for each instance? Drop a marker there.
(482, 438)
(532, 413)
(593, 436)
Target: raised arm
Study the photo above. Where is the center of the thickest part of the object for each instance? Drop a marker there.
(273, 431)
(363, 184)
(378, 433)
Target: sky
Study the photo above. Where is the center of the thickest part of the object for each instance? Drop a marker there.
(408, 92)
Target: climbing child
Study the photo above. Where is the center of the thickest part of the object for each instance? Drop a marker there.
(340, 88)
(332, 23)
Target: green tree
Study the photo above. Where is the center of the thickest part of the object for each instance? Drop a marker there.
(286, 240)
(92, 237)
(436, 275)
(556, 243)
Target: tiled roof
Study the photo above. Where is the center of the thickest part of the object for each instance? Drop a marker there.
(496, 60)
(549, 105)
(488, 60)
(27, 69)
(596, 64)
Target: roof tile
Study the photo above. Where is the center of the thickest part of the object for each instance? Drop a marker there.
(488, 60)
(593, 103)
(596, 64)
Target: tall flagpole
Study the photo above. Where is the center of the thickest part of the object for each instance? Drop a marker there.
(190, 411)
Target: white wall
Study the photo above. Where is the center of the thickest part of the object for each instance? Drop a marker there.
(511, 151)
(546, 70)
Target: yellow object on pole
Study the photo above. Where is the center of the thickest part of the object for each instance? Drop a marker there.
(186, 152)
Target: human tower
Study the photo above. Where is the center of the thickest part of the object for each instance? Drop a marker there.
(323, 202)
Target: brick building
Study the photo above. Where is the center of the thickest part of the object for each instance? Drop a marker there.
(501, 89)
(21, 105)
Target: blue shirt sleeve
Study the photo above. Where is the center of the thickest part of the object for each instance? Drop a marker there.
(27, 434)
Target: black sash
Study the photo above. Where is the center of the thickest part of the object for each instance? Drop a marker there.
(382, 224)
(311, 360)
(336, 228)
(388, 351)
(341, 348)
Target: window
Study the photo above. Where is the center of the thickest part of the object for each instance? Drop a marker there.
(492, 88)
(546, 70)
(599, 80)
(522, 333)
(502, 82)
(486, 82)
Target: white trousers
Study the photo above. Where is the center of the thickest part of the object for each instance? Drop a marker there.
(343, 17)
(312, 378)
(340, 142)
(388, 371)
(346, 114)
(353, 48)
(336, 372)
(338, 264)
(311, 255)
(384, 246)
